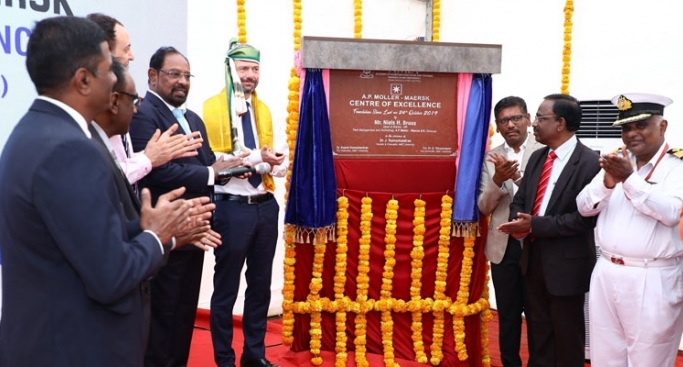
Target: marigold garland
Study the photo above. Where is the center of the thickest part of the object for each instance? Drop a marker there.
(387, 323)
(319, 247)
(441, 302)
(294, 84)
(363, 282)
(288, 287)
(357, 18)
(567, 49)
(485, 317)
(241, 22)
(417, 254)
(462, 297)
(340, 279)
(436, 20)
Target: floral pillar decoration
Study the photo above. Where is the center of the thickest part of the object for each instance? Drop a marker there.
(436, 20)
(386, 300)
(567, 49)
(441, 302)
(357, 18)
(241, 22)
(363, 282)
(339, 280)
(417, 254)
(291, 128)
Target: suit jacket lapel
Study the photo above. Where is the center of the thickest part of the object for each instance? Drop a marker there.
(565, 176)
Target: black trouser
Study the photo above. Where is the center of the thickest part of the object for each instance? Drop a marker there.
(175, 292)
(249, 232)
(511, 302)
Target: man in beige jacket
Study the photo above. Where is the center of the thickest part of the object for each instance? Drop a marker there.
(501, 173)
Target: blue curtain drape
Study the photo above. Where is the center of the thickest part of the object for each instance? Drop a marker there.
(312, 201)
(475, 136)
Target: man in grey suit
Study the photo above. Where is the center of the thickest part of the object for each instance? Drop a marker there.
(501, 174)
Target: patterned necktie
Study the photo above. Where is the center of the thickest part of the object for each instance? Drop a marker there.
(250, 142)
(543, 183)
(180, 116)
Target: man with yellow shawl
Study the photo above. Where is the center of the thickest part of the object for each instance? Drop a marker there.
(246, 213)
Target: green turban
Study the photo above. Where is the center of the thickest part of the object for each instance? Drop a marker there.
(243, 51)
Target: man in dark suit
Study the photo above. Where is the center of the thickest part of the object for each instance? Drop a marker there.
(175, 290)
(558, 250)
(500, 177)
(72, 264)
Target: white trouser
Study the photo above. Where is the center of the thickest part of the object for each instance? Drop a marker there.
(636, 315)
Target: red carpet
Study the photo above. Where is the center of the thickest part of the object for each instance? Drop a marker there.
(201, 353)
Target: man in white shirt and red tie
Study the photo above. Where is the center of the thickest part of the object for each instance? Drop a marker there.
(636, 297)
(558, 250)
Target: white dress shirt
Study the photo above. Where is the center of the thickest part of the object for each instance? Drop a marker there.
(564, 152)
(511, 155)
(638, 218)
(238, 186)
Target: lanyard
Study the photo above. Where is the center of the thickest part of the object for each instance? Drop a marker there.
(666, 148)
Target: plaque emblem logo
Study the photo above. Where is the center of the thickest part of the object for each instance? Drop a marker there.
(366, 74)
(396, 89)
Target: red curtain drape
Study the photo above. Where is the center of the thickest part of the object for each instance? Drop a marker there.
(405, 180)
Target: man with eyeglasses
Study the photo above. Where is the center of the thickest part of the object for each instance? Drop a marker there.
(501, 175)
(558, 251)
(636, 297)
(175, 289)
(162, 147)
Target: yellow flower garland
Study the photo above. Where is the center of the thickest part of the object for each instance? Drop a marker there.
(362, 281)
(436, 20)
(293, 95)
(441, 302)
(567, 49)
(292, 122)
(241, 22)
(463, 295)
(288, 287)
(485, 317)
(357, 18)
(417, 255)
(340, 279)
(387, 323)
(316, 285)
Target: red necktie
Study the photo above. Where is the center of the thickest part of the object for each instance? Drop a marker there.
(543, 183)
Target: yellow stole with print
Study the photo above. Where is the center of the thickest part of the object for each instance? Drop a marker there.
(218, 127)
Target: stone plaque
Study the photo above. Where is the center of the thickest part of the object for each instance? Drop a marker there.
(393, 114)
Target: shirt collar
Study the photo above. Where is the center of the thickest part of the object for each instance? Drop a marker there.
(566, 148)
(170, 107)
(652, 160)
(104, 136)
(80, 120)
(509, 149)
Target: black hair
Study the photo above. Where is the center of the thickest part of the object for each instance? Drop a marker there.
(511, 101)
(156, 62)
(567, 107)
(120, 71)
(58, 47)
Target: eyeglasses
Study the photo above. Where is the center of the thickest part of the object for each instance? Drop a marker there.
(546, 117)
(506, 120)
(136, 99)
(175, 74)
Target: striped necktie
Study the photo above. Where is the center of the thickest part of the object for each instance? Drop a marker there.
(543, 183)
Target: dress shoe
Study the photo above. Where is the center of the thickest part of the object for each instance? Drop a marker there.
(261, 362)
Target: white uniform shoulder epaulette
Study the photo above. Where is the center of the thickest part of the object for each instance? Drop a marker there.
(676, 152)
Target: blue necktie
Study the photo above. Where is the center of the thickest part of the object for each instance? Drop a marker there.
(250, 142)
(178, 113)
